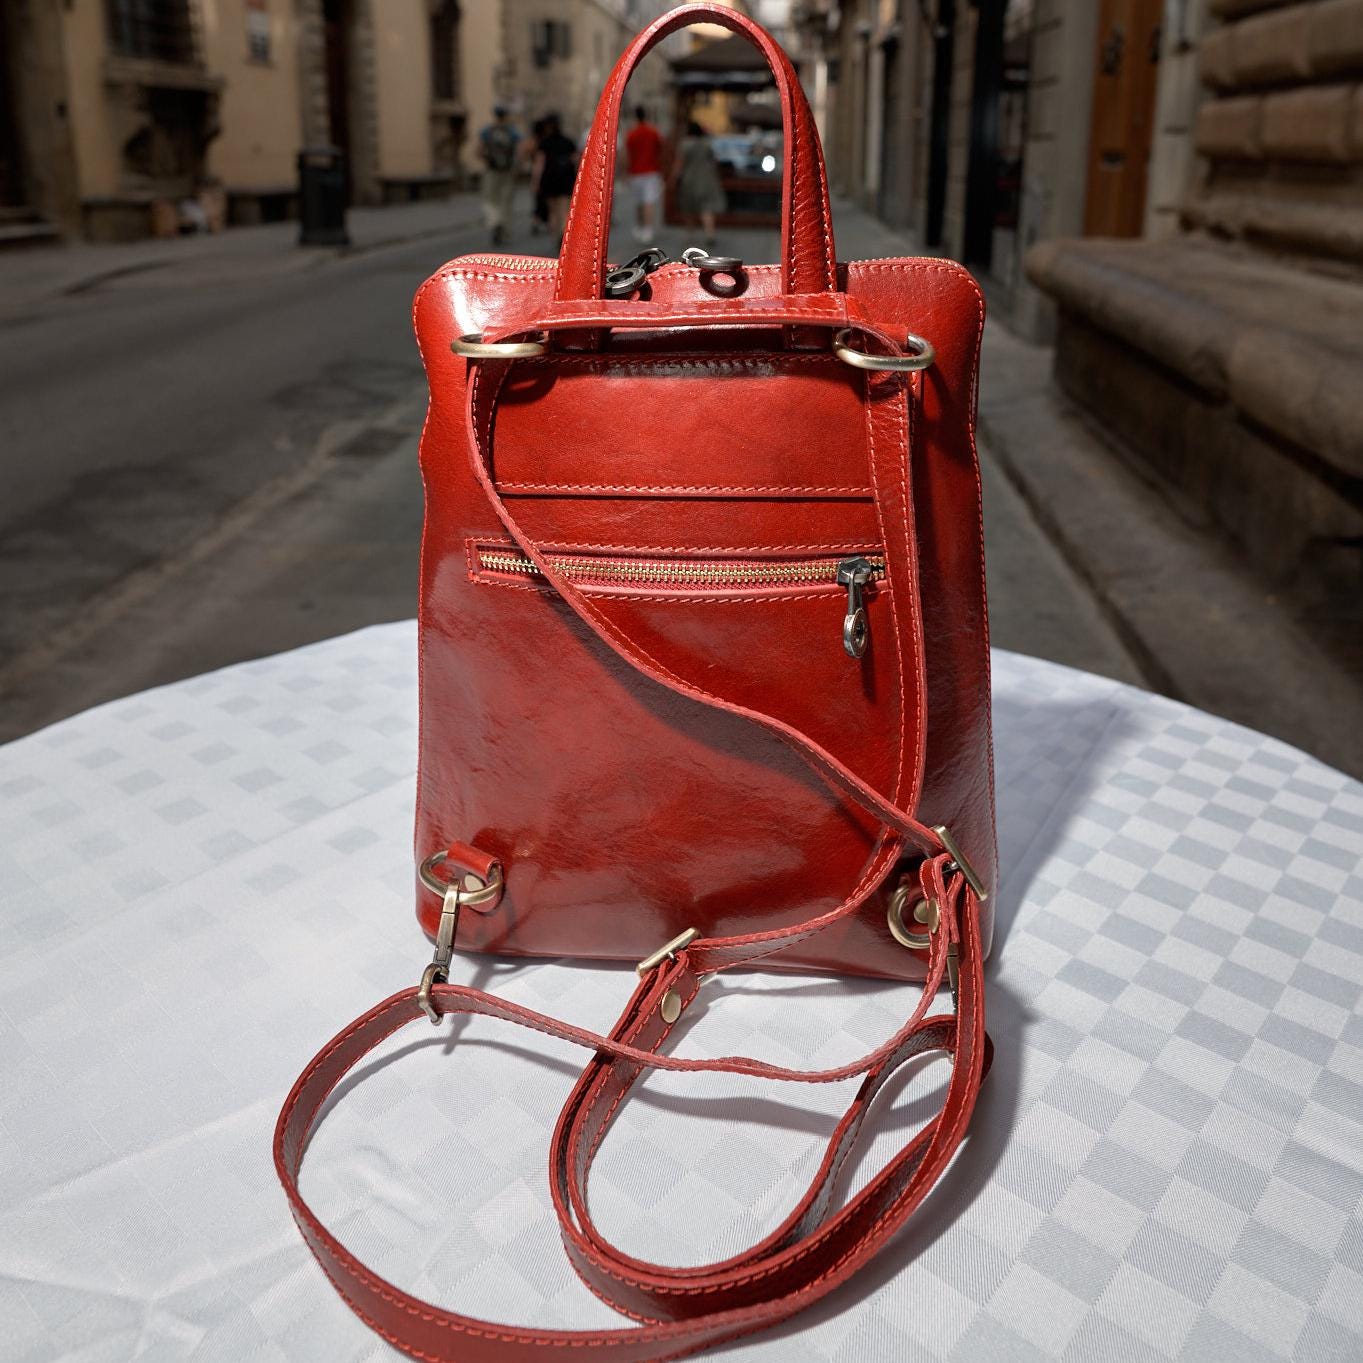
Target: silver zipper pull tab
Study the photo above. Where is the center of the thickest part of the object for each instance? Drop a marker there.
(723, 276)
(698, 258)
(854, 574)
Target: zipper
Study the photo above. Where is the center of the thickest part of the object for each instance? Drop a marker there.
(855, 573)
(512, 262)
(624, 279)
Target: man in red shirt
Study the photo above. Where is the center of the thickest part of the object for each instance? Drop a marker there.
(644, 163)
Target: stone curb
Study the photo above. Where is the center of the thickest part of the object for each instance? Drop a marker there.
(1199, 624)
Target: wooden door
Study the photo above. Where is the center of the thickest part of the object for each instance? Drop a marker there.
(1124, 73)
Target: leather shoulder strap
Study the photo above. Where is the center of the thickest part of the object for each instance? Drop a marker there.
(819, 1245)
(816, 1248)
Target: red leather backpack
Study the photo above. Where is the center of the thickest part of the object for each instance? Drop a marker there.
(704, 684)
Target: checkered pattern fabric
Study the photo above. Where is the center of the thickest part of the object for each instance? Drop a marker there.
(199, 885)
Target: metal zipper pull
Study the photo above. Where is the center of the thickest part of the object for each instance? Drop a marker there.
(722, 276)
(698, 258)
(625, 279)
(854, 574)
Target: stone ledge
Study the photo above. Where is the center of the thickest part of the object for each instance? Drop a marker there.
(1207, 630)
(1317, 229)
(1230, 9)
(1282, 345)
(1302, 42)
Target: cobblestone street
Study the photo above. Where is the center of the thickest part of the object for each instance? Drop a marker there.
(213, 456)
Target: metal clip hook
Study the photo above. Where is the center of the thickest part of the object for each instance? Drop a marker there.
(438, 972)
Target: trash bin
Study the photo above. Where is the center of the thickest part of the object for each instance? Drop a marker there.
(322, 197)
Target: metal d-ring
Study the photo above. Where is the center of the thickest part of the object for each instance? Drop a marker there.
(484, 892)
(454, 895)
(925, 912)
(921, 357)
(472, 345)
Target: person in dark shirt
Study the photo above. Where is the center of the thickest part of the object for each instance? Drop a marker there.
(555, 171)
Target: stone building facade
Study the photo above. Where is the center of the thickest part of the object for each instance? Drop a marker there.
(1172, 192)
(1223, 349)
(558, 54)
(115, 112)
(984, 126)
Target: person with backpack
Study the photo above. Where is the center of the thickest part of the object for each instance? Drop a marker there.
(497, 145)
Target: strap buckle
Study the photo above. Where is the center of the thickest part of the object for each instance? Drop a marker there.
(667, 952)
(438, 972)
(953, 849)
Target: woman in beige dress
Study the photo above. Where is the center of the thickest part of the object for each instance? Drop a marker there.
(699, 192)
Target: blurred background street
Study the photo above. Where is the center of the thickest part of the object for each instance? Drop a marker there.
(209, 430)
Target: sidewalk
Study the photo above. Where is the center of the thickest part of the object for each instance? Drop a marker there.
(1088, 564)
(1202, 625)
(1161, 601)
(37, 275)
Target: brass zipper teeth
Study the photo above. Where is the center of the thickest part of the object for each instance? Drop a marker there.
(527, 262)
(511, 262)
(663, 571)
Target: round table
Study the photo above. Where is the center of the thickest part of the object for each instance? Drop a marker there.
(199, 885)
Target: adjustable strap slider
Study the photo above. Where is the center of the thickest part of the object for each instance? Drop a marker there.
(666, 952)
(953, 849)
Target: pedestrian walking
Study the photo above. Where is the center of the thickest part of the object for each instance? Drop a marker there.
(497, 146)
(700, 195)
(555, 171)
(644, 164)
(539, 210)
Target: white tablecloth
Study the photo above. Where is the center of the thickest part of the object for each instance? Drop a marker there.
(199, 885)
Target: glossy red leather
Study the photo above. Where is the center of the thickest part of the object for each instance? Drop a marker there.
(642, 757)
(678, 1311)
(678, 449)
(807, 255)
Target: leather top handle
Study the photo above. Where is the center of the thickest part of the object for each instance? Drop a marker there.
(808, 262)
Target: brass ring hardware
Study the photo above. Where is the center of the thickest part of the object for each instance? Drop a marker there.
(468, 889)
(925, 913)
(922, 356)
(472, 345)
(473, 890)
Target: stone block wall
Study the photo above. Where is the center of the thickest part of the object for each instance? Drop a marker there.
(1178, 93)
(1055, 158)
(1282, 128)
